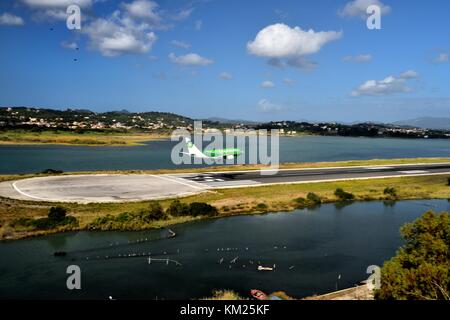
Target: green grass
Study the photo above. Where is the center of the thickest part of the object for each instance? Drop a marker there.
(90, 138)
(230, 202)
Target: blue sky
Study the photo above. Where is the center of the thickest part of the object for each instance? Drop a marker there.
(251, 59)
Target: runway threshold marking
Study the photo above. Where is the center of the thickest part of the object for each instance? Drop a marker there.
(177, 181)
(24, 193)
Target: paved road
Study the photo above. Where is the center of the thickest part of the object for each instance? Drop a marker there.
(244, 178)
(123, 188)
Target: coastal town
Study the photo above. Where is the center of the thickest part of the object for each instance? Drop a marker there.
(162, 122)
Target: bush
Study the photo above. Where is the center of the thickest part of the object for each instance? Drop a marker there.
(57, 214)
(52, 171)
(261, 206)
(155, 212)
(389, 191)
(177, 209)
(313, 198)
(202, 209)
(343, 195)
(421, 268)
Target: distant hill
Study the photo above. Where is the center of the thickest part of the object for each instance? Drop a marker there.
(426, 123)
(230, 121)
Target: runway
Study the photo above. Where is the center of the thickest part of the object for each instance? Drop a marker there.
(253, 178)
(93, 188)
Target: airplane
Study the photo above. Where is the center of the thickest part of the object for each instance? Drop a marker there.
(228, 153)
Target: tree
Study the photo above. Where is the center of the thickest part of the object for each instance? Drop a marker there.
(202, 209)
(343, 195)
(177, 209)
(57, 214)
(155, 212)
(421, 267)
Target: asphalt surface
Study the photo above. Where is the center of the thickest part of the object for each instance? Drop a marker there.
(230, 179)
(139, 187)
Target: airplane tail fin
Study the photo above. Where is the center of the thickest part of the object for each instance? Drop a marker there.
(193, 150)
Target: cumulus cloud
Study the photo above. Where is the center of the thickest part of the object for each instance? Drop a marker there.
(267, 84)
(443, 57)
(358, 8)
(359, 58)
(265, 105)
(114, 36)
(191, 59)
(389, 85)
(281, 41)
(57, 3)
(143, 9)
(225, 76)
(180, 44)
(8, 19)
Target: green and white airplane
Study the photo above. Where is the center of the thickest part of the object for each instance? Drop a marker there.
(228, 153)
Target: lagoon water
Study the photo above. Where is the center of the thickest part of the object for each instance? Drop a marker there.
(156, 154)
(310, 249)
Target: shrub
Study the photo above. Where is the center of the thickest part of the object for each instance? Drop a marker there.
(57, 214)
(52, 171)
(177, 209)
(343, 195)
(261, 206)
(313, 198)
(390, 191)
(202, 209)
(421, 268)
(155, 212)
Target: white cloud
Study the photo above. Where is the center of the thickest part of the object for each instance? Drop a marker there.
(265, 105)
(443, 57)
(180, 44)
(288, 81)
(359, 58)
(225, 76)
(267, 84)
(358, 8)
(387, 86)
(191, 59)
(143, 9)
(198, 24)
(116, 36)
(8, 19)
(69, 45)
(281, 41)
(183, 14)
(410, 74)
(57, 3)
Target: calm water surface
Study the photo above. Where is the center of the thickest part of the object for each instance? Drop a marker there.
(156, 154)
(310, 249)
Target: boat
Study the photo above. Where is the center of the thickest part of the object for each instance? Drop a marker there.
(261, 268)
(258, 294)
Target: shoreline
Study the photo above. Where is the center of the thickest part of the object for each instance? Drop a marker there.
(229, 202)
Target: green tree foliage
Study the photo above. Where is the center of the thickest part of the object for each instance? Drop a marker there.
(178, 209)
(202, 209)
(57, 214)
(421, 268)
(343, 195)
(390, 191)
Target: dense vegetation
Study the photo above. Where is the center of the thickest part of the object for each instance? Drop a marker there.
(421, 268)
(144, 218)
(56, 218)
